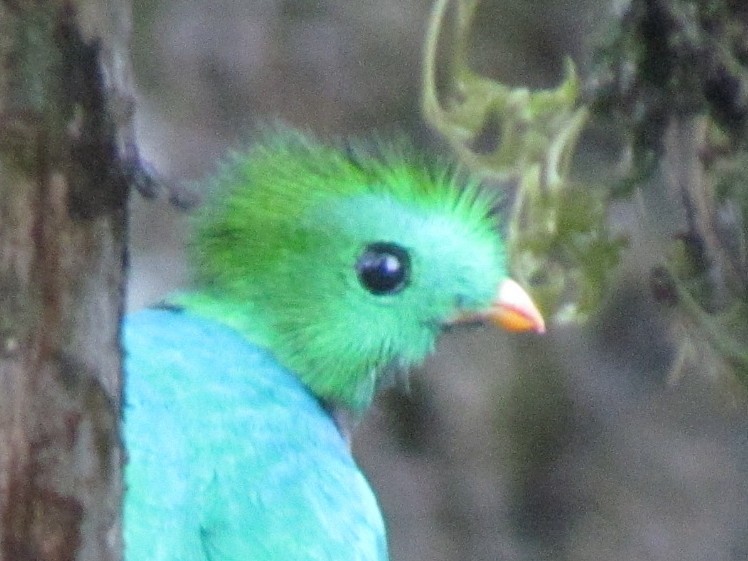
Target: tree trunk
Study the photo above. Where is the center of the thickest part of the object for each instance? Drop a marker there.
(65, 144)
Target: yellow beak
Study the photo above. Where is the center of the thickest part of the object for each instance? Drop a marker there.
(512, 309)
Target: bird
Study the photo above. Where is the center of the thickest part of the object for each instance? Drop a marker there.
(322, 273)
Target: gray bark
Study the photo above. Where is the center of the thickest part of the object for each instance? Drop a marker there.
(65, 144)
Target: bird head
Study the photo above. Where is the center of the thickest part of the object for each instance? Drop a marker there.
(347, 265)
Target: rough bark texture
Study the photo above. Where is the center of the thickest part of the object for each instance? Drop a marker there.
(65, 136)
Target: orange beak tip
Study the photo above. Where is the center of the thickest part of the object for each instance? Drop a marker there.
(515, 311)
(512, 310)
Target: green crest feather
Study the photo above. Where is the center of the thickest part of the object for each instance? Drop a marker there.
(277, 256)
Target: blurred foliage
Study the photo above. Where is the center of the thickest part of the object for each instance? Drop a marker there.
(558, 240)
(707, 271)
(671, 58)
(673, 77)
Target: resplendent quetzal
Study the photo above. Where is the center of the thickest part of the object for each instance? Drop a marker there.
(321, 275)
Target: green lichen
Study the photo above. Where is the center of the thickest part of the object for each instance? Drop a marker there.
(558, 241)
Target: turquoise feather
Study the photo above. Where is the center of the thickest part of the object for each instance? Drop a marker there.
(230, 457)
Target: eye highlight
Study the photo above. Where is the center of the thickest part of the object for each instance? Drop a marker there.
(383, 268)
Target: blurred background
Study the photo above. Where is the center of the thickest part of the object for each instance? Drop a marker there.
(575, 446)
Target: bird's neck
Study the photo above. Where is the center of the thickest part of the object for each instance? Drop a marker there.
(342, 389)
(239, 315)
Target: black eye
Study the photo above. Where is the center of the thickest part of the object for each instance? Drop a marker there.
(383, 268)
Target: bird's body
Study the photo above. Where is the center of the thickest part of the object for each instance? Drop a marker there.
(320, 273)
(218, 438)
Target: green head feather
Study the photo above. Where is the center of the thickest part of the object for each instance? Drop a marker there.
(291, 251)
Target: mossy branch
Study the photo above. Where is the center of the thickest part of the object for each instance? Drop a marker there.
(674, 78)
(556, 233)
